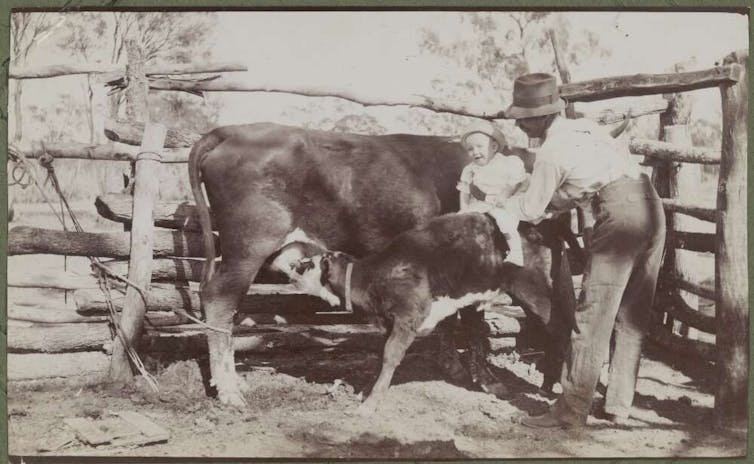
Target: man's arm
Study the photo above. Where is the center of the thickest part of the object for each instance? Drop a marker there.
(531, 204)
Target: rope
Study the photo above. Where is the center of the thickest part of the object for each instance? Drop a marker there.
(47, 162)
(148, 155)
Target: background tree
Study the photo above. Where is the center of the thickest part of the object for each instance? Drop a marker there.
(170, 37)
(83, 37)
(28, 30)
(498, 47)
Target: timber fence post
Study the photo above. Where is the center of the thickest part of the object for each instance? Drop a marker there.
(146, 187)
(731, 274)
(683, 183)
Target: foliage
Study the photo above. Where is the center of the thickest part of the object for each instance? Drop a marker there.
(360, 124)
(28, 30)
(92, 37)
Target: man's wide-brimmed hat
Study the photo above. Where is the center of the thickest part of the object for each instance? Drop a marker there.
(488, 129)
(535, 95)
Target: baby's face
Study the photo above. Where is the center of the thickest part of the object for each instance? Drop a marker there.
(480, 148)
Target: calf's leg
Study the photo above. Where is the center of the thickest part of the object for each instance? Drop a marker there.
(447, 354)
(478, 333)
(400, 338)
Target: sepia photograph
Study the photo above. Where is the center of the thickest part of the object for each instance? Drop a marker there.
(408, 234)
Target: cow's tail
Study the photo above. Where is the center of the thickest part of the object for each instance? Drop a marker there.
(196, 157)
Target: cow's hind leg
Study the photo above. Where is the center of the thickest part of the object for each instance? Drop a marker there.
(244, 250)
(221, 296)
(400, 338)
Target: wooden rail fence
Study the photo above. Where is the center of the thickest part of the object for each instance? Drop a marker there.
(164, 261)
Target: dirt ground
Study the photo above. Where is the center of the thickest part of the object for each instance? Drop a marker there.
(303, 406)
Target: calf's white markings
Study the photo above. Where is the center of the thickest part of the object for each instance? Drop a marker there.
(308, 282)
(446, 306)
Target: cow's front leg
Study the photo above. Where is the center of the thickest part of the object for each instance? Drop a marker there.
(400, 338)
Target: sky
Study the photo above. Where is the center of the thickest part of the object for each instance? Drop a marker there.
(379, 50)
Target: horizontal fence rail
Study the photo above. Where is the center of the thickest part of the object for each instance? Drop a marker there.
(42, 72)
(649, 84)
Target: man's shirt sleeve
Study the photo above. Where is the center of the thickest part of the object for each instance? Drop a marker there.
(530, 205)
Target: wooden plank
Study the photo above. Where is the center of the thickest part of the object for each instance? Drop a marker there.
(50, 279)
(682, 346)
(115, 70)
(51, 316)
(153, 432)
(615, 115)
(677, 205)
(669, 152)
(87, 431)
(166, 269)
(697, 289)
(649, 84)
(166, 297)
(58, 338)
(118, 207)
(111, 151)
(130, 133)
(731, 264)
(694, 241)
(681, 311)
(24, 240)
(90, 366)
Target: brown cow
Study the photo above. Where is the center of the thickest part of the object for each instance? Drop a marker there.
(270, 184)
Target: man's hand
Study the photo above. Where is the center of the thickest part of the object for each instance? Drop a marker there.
(476, 192)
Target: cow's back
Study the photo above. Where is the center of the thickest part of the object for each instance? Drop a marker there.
(352, 192)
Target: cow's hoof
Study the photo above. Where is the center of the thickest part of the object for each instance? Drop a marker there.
(496, 388)
(232, 398)
(241, 383)
(367, 408)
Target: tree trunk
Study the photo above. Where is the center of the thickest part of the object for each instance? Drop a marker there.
(18, 114)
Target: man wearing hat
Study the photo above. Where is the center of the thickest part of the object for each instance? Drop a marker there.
(489, 179)
(580, 164)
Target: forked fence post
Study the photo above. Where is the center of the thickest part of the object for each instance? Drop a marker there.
(146, 185)
(731, 276)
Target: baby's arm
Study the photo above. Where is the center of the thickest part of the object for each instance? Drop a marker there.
(465, 197)
(463, 188)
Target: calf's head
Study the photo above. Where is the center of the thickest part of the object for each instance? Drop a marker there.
(334, 273)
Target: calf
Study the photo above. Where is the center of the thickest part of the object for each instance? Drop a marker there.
(424, 276)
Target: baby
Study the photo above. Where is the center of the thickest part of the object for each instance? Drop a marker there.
(490, 178)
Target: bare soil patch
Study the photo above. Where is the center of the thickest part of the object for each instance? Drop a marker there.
(302, 405)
